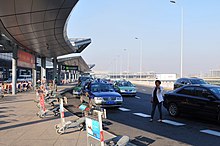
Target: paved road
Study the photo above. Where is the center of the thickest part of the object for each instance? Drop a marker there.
(132, 120)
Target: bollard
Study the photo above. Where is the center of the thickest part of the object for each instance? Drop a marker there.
(62, 117)
(101, 130)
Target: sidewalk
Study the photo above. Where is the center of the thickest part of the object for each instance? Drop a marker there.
(19, 125)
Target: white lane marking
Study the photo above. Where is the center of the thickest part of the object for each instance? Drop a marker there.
(144, 90)
(137, 97)
(173, 123)
(142, 115)
(124, 109)
(211, 132)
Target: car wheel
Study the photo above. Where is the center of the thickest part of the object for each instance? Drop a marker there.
(173, 110)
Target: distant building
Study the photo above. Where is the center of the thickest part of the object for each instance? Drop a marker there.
(166, 76)
(215, 73)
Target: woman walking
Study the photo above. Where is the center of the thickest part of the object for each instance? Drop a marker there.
(157, 99)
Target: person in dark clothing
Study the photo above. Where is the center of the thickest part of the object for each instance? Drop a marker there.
(157, 99)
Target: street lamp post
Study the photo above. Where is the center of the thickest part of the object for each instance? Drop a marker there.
(140, 56)
(127, 62)
(181, 39)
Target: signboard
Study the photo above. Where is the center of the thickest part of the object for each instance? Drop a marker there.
(93, 128)
(25, 59)
(68, 67)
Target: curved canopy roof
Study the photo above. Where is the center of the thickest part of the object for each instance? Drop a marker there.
(75, 61)
(38, 25)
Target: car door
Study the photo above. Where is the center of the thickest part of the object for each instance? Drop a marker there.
(185, 95)
(205, 102)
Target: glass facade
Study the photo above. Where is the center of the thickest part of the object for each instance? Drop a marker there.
(6, 56)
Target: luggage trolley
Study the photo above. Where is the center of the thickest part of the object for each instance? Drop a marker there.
(78, 123)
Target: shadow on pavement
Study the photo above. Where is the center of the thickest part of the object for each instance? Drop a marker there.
(142, 141)
(32, 122)
(13, 101)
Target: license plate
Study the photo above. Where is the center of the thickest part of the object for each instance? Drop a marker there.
(110, 102)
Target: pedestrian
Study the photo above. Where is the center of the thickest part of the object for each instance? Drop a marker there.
(44, 82)
(157, 99)
(55, 83)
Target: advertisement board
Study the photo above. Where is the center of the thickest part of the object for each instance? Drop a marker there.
(93, 128)
(25, 59)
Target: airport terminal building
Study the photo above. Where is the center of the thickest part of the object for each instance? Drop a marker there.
(33, 33)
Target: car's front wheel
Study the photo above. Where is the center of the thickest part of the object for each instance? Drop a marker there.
(173, 110)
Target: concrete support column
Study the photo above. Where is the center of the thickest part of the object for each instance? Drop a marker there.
(59, 71)
(34, 74)
(65, 77)
(72, 77)
(69, 76)
(54, 67)
(77, 75)
(43, 67)
(73, 73)
(14, 69)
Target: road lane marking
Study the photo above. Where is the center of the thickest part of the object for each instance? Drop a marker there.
(173, 123)
(137, 97)
(211, 132)
(142, 115)
(124, 109)
(144, 90)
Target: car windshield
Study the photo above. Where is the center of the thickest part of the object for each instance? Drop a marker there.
(198, 81)
(82, 84)
(216, 91)
(101, 88)
(83, 78)
(125, 84)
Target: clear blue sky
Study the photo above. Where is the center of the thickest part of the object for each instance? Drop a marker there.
(113, 24)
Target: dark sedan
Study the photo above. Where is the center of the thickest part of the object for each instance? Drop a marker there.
(101, 94)
(188, 81)
(194, 99)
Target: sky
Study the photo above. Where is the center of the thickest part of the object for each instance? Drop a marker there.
(113, 26)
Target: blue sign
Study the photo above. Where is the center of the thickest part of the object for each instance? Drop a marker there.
(93, 128)
(82, 107)
(96, 129)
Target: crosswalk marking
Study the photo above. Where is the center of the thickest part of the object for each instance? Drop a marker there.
(124, 109)
(211, 132)
(173, 123)
(142, 115)
(137, 97)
